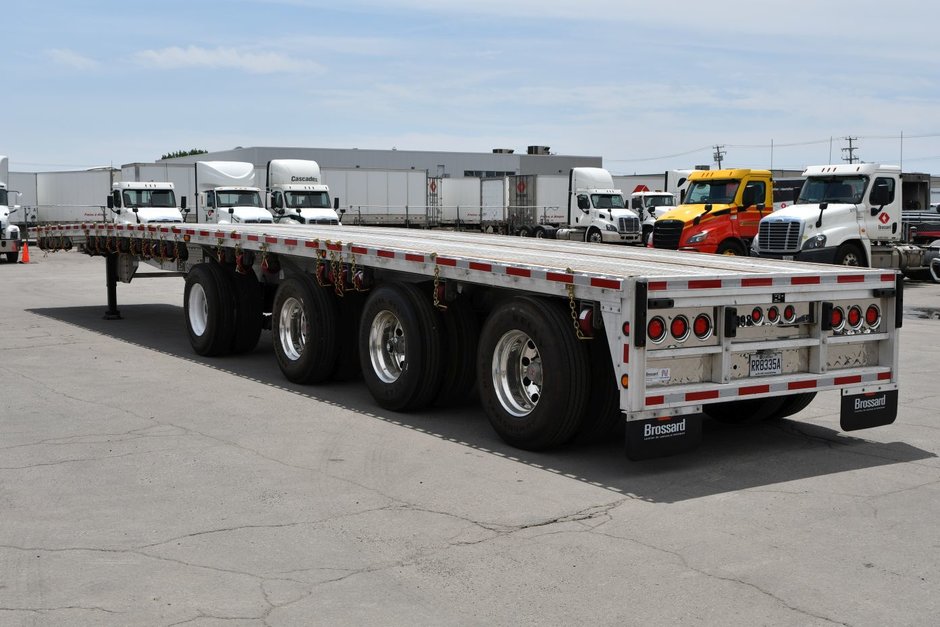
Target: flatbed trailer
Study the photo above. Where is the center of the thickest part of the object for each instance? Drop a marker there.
(562, 340)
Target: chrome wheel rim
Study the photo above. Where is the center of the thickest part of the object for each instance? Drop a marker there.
(387, 344)
(292, 328)
(517, 373)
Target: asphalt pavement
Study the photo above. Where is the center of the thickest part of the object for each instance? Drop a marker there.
(141, 484)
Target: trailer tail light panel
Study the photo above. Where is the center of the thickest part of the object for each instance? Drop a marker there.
(854, 317)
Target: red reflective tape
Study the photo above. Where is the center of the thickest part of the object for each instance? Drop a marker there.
(888, 277)
(523, 272)
(609, 284)
(483, 267)
(704, 284)
(561, 278)
(446, 261)
(270, 240)
(290, 242)
(805, 280)
(359, 250)
(386, 253)
(203, 233)
(336, 247)
(855, 378)
(309, 244)
(655, 400)
(220, 234)
(701, 396)
(762, 282)
(177, 230)
(657, 286)
(164, 229)
(801, 385)
(754, 389)
(626, 353)
(190, 231)
(850, 278)
(884, 376)
(414, 257)
(254, 238)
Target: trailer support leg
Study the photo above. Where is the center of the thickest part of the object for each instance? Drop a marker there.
(111, 262)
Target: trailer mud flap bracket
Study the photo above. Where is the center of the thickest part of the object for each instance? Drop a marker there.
(864, 408)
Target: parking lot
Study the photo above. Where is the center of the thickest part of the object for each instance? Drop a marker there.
(143, 484)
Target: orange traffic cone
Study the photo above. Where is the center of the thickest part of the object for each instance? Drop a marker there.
(25, 255)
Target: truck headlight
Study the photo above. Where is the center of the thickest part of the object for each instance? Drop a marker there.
(611, 227)
(698, 237)
(816, 241)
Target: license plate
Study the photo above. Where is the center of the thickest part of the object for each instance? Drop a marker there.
(766, 364)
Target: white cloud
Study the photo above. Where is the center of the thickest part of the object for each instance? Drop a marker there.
(230, 58)
(71, 58)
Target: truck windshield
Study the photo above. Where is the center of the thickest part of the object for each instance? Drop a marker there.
(666, 200)
(607, 201)
(843, 189)
(307, 200)
(712, 192)
(238, 198)
(149, 198)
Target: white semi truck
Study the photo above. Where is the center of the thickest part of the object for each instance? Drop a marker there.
(9, 232)
(296, 193)
(650, 206)
(559, 339)
(857, 214)
(145, 202)
(226, 193)
(583, 206)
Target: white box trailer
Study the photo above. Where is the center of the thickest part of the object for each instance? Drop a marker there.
(494, 200)
(74, 196)
(561, 340)
(379, 197)
(455, 201)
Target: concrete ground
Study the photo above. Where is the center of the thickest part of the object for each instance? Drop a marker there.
(141, 484)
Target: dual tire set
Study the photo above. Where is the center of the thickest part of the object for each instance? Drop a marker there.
(540, 386)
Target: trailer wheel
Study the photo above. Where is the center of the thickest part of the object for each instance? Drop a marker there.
(731, 247)
(744, 412)
(538, 232)
(11, 257)
(303, 328)
(400, 347)
(249, 299)
(460, 339)
(534, 374)
(792, 404)
(850, 255)
(524, 231)
(209, 310)
(594, 235)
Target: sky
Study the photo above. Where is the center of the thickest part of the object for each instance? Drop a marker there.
(647, 86)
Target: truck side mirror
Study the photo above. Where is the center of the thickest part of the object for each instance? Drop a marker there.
(335, 203)
(879, 197)
(110, 202)
(231, 210)
(183, 203)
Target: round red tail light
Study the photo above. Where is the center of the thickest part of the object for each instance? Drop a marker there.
(773, 314)
(854, 317)
(757, 314)
(837, 319)
(873, 316)
(702, 326)
(656, 329)
(789, 314)
(679, 328)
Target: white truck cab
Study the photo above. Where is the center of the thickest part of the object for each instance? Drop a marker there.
(650, 205)
(148, 202)
(597, 211)
(9, 232)
(226, 194)
(296, 193)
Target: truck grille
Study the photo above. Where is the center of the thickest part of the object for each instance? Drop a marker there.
(667, 233)
(779, 236)
(629, 225)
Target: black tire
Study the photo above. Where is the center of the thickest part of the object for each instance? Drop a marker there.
(460, 339)
(731, 247)
(348, 366)
(792, 404)
(542, 405)
(745, 411)
(538, 232)
(603, 418)
(400, 347)
(209, 310)
(11, 257)
(249, 300)
(524, 231)
(594, 235)
(303, 330)
(850, 254)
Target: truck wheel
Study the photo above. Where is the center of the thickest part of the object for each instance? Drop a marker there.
(594, 235)
(524, 231)
(744, 412)
(792, 404)
(731, 247)
(303, 328)
(534, 374)
(400, 347)
(249, 300)
(11, 257)
(209, 309)
(603, 417)
(538, 232)
(460, 339)
(850, 255)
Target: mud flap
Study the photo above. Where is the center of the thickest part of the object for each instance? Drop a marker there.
(868, 409)
(660, 437)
